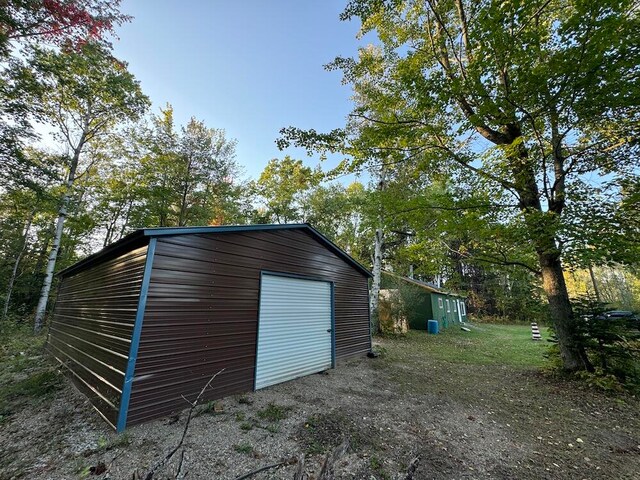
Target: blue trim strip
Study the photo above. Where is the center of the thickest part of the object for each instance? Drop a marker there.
(155, 232)
(135, 338)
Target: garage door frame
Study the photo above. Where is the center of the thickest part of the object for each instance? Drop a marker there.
(301, 277)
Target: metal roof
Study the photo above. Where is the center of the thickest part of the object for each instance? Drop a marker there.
(141, 236)
(427, 286)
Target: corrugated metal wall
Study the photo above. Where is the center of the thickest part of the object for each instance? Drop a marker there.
(90, 332)
(202, 309)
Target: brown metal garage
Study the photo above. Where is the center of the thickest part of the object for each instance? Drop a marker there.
(152, 317)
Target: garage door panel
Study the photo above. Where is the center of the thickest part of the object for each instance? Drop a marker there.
(294, 330)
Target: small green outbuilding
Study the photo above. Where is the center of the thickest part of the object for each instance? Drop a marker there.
(427, 302)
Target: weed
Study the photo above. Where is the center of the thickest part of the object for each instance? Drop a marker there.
(246, 426)
(315, 448)
(322, 432)
(105, 445)
(375, 463)
(601, 381)
(83, 471)
(212, 407)
(377, 466)
(240, 416)
(37, 386)
(244, 400)
(273, 412)
(244, 447)
(272, 428)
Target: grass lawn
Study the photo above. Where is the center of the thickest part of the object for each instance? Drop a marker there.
(484, 345)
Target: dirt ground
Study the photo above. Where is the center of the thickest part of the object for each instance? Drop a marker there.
(462, 419)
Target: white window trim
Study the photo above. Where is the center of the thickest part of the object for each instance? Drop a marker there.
(455, 306)
(448, 306)
(440, 304)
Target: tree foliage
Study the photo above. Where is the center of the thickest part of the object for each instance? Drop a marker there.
(513, 94)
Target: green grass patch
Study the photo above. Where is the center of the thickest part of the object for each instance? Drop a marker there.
(244, 447)
(37, 386)
(26, 374)
(486, 345)
(273, 413)
(246, 426)
(121, 440)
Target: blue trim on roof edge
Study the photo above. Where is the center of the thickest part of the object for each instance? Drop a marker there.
(135, 338)
(154, 232)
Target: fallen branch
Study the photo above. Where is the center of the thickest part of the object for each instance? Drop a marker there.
(327, 471)
(300, 475)
(162, 463)
(288, 461)
(413, 466)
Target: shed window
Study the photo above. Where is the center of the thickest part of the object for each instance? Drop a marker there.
(440, 303)
(463, 308)
(455, 305)
(448, 305)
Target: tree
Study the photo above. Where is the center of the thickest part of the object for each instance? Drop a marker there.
(518, 94)
(282, 186)
(23, 23)
(83, 95)
(339, 213)
(68, 23)
(188, 177)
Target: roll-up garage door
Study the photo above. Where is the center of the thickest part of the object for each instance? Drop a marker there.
(294, 329)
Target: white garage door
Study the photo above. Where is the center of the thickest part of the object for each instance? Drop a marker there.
(294, 329)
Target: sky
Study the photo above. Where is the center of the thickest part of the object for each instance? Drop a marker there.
(250, 67)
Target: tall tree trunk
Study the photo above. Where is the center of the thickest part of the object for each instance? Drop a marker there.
(573, 356)
(374, 299)
(596, 290)
(16, 264)
(125, 223)
(57, 239)
(375, 284)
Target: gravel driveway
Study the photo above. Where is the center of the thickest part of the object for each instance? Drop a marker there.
(461, 420)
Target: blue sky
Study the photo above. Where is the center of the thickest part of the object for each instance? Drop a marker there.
(250, 66)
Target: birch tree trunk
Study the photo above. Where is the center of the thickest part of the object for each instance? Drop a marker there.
(374, 299)
(53, 255)
(375, 285)
(596, 290)
(16, 264)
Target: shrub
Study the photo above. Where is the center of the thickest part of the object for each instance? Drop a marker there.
(612, 347)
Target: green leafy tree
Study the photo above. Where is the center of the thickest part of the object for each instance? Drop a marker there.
(281, 188)
(189, 176)
(517, 94)
(83, 95)
(28, 23)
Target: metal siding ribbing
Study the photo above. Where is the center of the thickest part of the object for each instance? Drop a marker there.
(202, 311)
(90, 331)
(294, 329)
